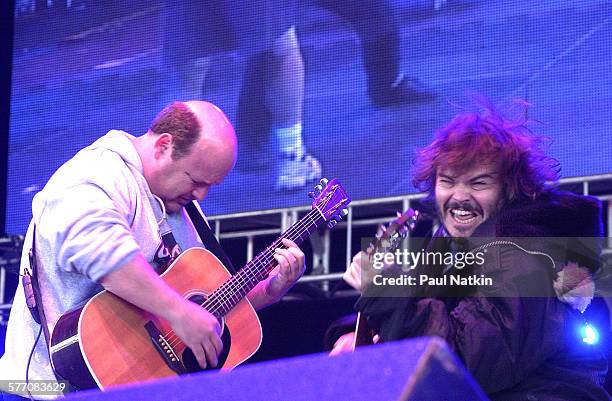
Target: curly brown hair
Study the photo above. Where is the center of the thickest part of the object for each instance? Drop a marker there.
(486, 136)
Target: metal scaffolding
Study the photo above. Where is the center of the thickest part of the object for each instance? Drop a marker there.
(367, 214)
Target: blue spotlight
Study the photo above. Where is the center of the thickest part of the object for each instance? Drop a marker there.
(589, 334)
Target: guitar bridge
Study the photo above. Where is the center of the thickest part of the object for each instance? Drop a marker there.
(164, 348)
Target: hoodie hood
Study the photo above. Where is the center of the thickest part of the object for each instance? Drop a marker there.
(119, 142)
(553, 214)
(568, 225)
(574, 221)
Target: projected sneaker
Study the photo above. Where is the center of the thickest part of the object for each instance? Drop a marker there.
(403, 90)
(294, 173)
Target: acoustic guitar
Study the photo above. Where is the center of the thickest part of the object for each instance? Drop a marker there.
(387, 239)
(108, 341)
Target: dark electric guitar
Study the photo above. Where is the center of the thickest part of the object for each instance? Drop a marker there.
(387, 239)
(109, 341)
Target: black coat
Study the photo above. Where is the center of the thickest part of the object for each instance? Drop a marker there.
(516, 337)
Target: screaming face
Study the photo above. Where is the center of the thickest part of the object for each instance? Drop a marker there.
(466, 200)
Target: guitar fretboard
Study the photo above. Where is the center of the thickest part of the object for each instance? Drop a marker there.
(226, 297)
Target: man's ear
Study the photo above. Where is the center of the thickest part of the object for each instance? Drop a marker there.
(163, 144)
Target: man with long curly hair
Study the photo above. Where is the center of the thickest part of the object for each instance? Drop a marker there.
(491, 185)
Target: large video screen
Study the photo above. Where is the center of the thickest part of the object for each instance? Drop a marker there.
(335, 88)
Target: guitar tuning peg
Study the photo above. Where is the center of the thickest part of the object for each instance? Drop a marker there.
(397, 214)
(311, 195)
(332, 223)
(318, 189)
(412, 226)
(324, 181)
(344, 212)
(380, 231)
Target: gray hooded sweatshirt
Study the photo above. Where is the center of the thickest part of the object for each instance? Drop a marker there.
(93, 216)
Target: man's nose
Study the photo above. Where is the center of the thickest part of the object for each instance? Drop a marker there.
(200, 192)
(462, 194)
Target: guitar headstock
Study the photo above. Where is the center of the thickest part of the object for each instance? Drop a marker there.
(331, 200)
(388, 237)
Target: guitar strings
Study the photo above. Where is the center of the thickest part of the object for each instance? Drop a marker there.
(237, 296)
(256, 269)
(219, 297)
(263, 260)
(254, 273)
(240, 279)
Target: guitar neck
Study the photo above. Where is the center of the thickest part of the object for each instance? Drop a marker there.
(222, 300)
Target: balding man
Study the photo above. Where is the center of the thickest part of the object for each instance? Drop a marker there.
(113, 216)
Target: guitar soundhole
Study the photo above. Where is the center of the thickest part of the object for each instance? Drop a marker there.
(189, 359)
(198, 299)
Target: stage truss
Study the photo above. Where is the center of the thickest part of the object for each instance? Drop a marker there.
(329, 251)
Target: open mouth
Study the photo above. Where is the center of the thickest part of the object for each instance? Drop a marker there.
(463, 216)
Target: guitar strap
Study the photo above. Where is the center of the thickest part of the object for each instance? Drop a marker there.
(32, 291)
(35, 303)
(208, 238)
